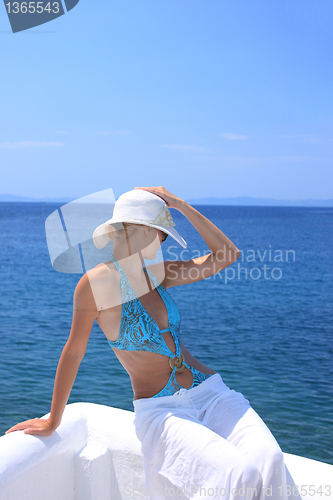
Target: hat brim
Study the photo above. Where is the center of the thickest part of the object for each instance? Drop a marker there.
(101, 237)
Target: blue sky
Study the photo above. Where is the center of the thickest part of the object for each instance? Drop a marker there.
(206, 98)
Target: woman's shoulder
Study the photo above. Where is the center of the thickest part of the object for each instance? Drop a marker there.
(102, 270)
(98, 286)
(105, 270)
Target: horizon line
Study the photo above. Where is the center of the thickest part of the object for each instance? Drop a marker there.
(211, 200)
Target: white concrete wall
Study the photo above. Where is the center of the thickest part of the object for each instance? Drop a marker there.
(95, 455)
(314, 479)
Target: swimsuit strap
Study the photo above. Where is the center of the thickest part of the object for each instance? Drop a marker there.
(124, 276)
(152, 277)
(127, 291)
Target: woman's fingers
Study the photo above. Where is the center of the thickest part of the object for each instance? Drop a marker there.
(170, 199)
(21, 426)
(36, 426)
(155, 189)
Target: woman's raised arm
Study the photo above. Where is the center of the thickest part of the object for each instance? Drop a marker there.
(223, 251)
(84, 314)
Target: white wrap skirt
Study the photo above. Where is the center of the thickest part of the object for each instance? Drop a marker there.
(208, 442)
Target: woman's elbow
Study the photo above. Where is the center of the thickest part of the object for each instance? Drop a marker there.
(238, 253)
(74, 352)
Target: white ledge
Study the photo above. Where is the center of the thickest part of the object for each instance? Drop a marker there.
(95, 455)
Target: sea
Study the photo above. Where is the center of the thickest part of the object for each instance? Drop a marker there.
(264, 323)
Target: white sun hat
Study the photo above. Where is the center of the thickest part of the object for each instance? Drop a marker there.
(139, 207)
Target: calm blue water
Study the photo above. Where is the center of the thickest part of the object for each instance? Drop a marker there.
(268, 335)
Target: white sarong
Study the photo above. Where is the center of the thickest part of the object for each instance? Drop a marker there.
(208, 443)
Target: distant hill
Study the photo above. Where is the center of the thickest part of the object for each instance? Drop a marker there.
(238, 201)
(14, 198)
(271, 202)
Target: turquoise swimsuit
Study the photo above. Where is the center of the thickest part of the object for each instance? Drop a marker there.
(139, 332)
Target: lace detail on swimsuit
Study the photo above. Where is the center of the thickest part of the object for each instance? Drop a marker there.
(139, 332)
(172, 385)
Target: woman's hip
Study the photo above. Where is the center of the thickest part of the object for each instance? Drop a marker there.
(195, 404)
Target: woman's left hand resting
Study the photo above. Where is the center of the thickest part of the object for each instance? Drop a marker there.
(84, 314)
(170, 199)
(38, 426)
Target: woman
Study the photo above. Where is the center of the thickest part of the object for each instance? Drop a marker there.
(198, 437)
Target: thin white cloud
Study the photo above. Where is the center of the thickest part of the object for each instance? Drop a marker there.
(305, 137)
(186, 148)
(234, 137)
(30, 144)
(113, 132)
(313, 139)
(289, 136)
(258, 161)
(121, 132)
(288, 159)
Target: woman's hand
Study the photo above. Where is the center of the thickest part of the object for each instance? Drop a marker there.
(38, 426)
(170, 199)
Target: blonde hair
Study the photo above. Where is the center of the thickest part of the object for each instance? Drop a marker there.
(117, 232)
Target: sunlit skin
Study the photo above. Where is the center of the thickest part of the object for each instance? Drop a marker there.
(98, 297)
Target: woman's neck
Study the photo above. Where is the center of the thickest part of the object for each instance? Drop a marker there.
(131, 264)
